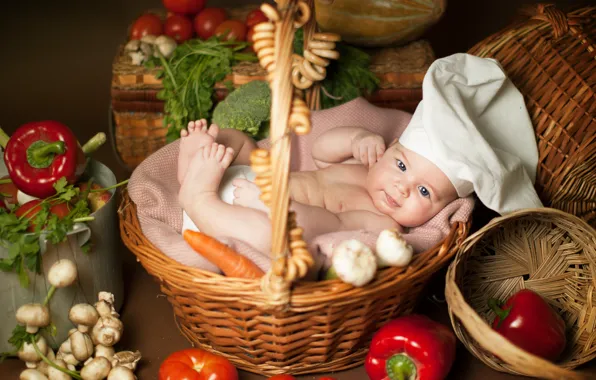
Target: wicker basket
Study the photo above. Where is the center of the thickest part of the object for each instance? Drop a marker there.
(280, 324)
(551, 59)
(546, 250)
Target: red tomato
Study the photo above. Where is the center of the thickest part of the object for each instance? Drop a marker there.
(207, 20)
(31, 208)
(282, 377)
(148, 23)
(189, 7)
(255, 17)
(196, 364)
(178, 27)
(327, 378)
(10, 189)
(231, 30)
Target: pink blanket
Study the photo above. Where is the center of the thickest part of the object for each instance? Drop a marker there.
(153, 187)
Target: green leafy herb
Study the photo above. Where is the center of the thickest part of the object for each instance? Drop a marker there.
(347, 78)
(23, 246)
(189, 76)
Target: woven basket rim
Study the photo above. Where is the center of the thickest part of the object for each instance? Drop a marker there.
(463, 313)
(303, 292)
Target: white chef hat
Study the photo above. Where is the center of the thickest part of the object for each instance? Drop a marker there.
(473, 124)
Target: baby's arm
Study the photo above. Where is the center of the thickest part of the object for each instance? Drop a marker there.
(318, 221)
(347, 145)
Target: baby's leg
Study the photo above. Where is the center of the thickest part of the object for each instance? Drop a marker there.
(199, 198)
(194, 137)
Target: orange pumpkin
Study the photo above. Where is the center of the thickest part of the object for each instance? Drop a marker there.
(378, 22)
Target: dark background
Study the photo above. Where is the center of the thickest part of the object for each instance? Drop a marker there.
(55, 63)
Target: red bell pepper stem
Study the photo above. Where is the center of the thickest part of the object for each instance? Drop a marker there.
(41, 154)
(495, 306)
(400, 367)
(3, 138)
(94, 143)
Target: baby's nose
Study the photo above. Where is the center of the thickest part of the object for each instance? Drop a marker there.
(403, 190)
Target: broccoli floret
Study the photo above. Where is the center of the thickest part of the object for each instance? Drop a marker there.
(247, 108)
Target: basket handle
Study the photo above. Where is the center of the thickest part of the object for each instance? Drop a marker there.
(288, 74)
(559, 20)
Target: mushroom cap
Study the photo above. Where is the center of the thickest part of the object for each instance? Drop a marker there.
(107, 331)
(126, 359)
(83, 314)
(98, 368)
(121, 373)
(33, 314)
(56, 374)
(27, 352)
(32, 374)
(62, 273)
(81, 345)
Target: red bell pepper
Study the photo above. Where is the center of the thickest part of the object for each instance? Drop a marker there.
(412, 347)
(527, 321)
(196, 364)
(40, 153)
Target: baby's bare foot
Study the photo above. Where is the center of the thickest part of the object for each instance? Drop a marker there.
(204, 174)
(195, 136)
(247, 194)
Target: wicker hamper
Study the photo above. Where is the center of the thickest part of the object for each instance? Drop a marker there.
(546, 250)
(280, 324)
(136, 114)
(551, 58)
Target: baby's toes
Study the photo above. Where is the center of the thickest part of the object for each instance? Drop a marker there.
(183, 133)
(228, 156)
(206, 151)
(213, 131)
(240, 182)
(219, 152)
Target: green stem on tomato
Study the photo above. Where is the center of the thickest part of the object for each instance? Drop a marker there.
(3, 138)
(501, 313)
(73, 374)
(400, 367)
(49, 296)
(94, 143)
(110, 187)
(5, 180)
(83, 219)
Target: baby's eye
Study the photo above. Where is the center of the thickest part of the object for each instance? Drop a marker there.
(401, 165)
(424, 191)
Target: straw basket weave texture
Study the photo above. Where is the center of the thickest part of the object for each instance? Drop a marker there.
(551, 58)
(546, 250)
(279, 324)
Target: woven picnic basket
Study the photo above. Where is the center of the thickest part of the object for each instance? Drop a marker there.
(280, 324)
(546, 250)
(551, 58)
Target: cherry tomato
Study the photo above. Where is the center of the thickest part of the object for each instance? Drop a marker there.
(178, 27)
(32, 208)
(282, 377)
(231, 30)
(196, 364)
(255, 17)
(148, 23)
(189, 7)
(207, 20)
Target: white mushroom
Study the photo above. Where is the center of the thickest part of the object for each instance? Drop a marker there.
(65, 353)
(107, 331)
(126, 359)
(83, 315)
(105, 305)
(149, 39)
(43, 366)
(146, 48)
(96, 369)
(121, 373)
(137, 57)
(132, 45)
(81, 345)
(354, 262)
(33, 316)
(62, 273)
(32, 374)
(56, 374)
(106, 352)
(29, 355)
(166, 45)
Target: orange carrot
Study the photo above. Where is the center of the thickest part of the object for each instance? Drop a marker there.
(231, 263)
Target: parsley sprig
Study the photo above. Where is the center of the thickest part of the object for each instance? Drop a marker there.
(24, 251)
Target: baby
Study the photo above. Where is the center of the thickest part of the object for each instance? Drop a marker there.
(471, 133)
(359, 185)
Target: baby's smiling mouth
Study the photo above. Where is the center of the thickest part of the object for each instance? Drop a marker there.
(390, 201)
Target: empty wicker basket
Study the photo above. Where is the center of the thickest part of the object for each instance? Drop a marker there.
(545, 250)
(551, 58)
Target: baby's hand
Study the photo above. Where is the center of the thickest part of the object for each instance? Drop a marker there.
(368, 147)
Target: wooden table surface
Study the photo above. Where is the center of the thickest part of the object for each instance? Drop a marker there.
(56, 64)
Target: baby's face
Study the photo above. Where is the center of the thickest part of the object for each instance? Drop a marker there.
(408, 187)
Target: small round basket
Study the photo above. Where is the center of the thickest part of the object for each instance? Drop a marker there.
(546, 250)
